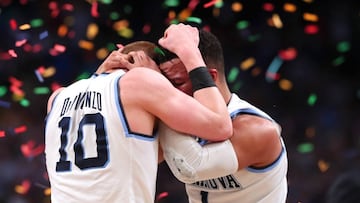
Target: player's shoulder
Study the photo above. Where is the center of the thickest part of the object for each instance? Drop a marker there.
(144, 78)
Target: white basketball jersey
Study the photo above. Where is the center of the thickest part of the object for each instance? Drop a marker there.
(91, 154)
(249, 185)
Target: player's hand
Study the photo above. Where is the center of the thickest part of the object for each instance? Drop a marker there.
(140, 59)
(113, 62)
(180, 37)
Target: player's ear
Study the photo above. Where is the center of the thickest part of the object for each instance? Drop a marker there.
(213, 72)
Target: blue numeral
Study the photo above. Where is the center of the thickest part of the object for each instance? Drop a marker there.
(101, 144)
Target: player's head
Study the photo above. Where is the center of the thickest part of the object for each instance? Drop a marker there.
(148, 47)
(212, 53)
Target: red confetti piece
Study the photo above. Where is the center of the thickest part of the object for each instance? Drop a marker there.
(30, 149)
(15, 82)
(311, 29)
(269, 7)
(13, 24)
(5, 56)
(20, 43)
(55, 86)
(20, 129)
(192, 4)
(288, 54)
(2, 133)
(94, 9)
(211, 3)
(12, 53)
(68, 7)
(23, 188)
(146, 29)
(162, 195)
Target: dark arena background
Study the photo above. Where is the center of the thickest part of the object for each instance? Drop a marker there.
(298, 60)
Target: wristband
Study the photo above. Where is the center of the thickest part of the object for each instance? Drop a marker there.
(201, 78)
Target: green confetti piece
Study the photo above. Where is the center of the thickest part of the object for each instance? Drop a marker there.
(338, 61)
(106, 1)
(219, 4)
(128, 9)
(237, 86)
(234, 72)
(312, 99)
(25, 103)
(253, 38)
(111, 46)
(242, 24)
(159, 51)
(194, 20)
(3, 91)
(36, 22)
(305, 148)
(114, 15)
(41, 90)
(171, 3)
(174, 21)
(83, 76)
(343, 47)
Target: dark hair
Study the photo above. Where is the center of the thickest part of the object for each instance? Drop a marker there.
(211, 51)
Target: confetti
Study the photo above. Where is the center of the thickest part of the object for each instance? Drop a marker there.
(289, 7)
(236, 7)
(311, 29)
(338, 61)
(288, 54)
(30, 149)
(94, 9)
(246, 64)
(233, 74)
(271, 73)
(211, 3)
(285, 84)
(305, 148)
(312, 99)
(23, 188)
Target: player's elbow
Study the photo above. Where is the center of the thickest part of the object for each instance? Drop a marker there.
(225, 131)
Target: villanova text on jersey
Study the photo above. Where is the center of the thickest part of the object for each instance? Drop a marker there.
(227, 182)
(88, 99)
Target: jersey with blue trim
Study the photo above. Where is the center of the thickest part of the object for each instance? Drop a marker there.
(91, 154)
(249, 185)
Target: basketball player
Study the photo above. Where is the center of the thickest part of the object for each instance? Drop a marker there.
(100, 141)
(250, 167)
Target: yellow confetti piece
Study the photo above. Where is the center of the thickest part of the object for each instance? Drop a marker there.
(310, 17)
(126, 33)
(285, 84)
(308, 1)
(323, 165)
(236, 7)
(49, 72)
(92, 31)
(47, 192)
(24, 27)
(171, 15)
(246, 64)
(85, 45)
(121, 24)
(102, 53)
(62, 30)
(277, 21)
(184, 14)
(289, 7)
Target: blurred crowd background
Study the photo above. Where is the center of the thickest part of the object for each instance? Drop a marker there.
(298, 60)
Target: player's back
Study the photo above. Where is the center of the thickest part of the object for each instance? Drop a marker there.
(91, 155)
(266, 185)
